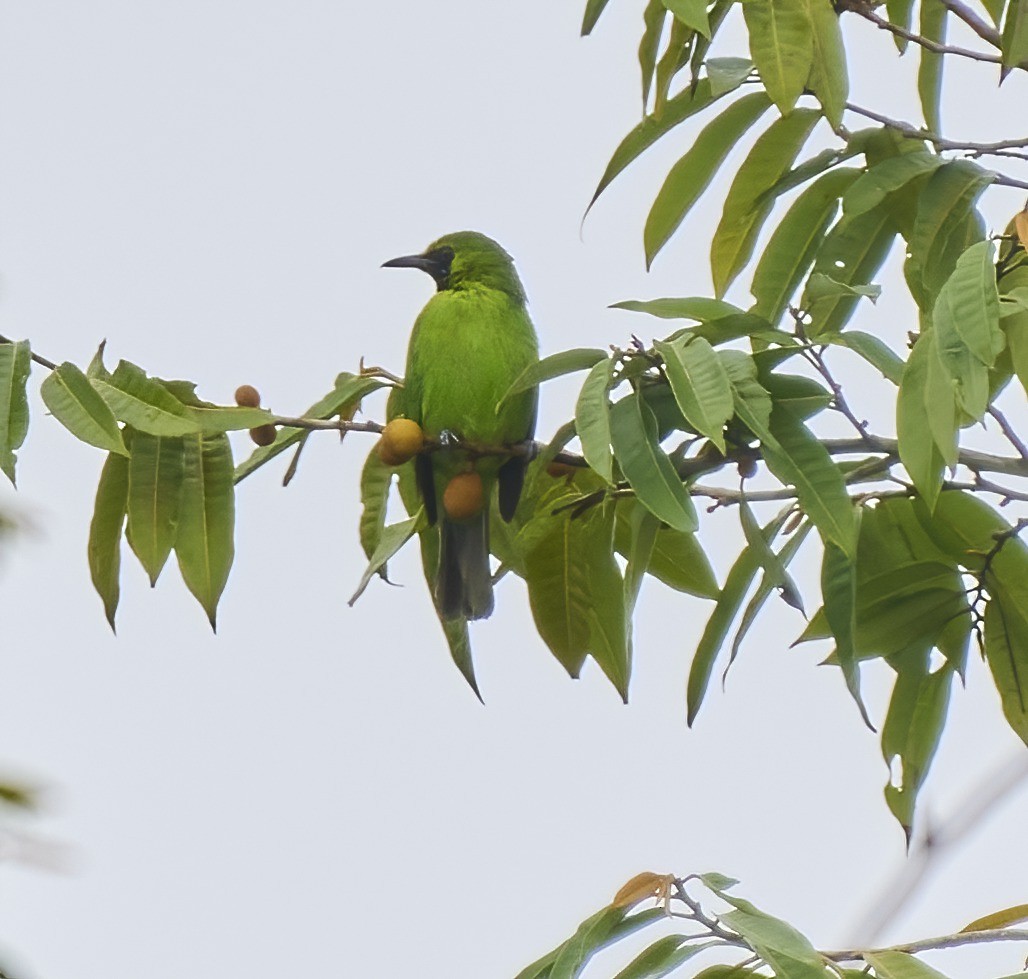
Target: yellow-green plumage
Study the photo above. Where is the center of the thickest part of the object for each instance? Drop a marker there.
(471, 341)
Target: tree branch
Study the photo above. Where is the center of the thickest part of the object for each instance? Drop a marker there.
(1008, 431)
(38, 358)
(988, 34)
(865, 11)
(928, 944)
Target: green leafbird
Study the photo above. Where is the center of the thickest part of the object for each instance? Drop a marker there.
(471, 341)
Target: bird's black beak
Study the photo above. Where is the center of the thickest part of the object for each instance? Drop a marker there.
(436, 263)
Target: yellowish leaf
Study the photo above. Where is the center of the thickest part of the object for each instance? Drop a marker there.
(999, 919)
(644, 885)
(1021, 227)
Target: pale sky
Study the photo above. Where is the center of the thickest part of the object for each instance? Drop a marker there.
(314, 792)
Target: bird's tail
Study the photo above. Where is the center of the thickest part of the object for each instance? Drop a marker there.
(464, 584)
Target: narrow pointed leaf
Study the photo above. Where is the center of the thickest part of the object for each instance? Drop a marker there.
(204, 541)
(899, 965)
(556, 365)
(700, 385)
(646, 466)
(674, 58)
(390, 541)
(591, 936)
(642, 539)
(156, 474)
(75, 403)
(900, 12)
(873, 350)
(105, 530)
(593, 10)
(839, 592)
(999, 919)
(692, 13)
(795, 243)
(715, 17)
(781, 44)
(662, 958)
(1014, 40)
(921, 456)
(829, 78)
(929, 72)
(15, 363)
(744, 211)
(144, 403)
(892, 174)
(1006, 649)
(376, 478)
(215, 419)
(693, 173)
(784, 949)
(592, 419)
(653, 27)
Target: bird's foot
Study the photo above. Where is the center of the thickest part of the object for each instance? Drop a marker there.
(448, 439)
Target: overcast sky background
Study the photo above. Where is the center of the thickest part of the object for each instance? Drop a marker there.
(212, 187)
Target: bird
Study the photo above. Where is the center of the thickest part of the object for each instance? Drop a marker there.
(470, 342)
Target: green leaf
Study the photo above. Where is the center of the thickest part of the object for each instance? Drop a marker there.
(870, 191)
(692, 174)
(821, 287)
(921, 456)
(727, 74)
(752, 402)
(1006, 649)
(390, 541)
(592, 419)
(946, 216)
(801, 396)
(74, 402)
(1014, 40)
(716, 15)
(591, 936)
(677, 559)
(653, 27)
(852, 252)
(676, 110)
(556, 365)
(1015, 329)
(797, 458)
(204, 542)
(376, 479)
(744, 213)
(156, 474)
(662, 957)
(216, 419)
(873, 350)
(839, 591)
(728, 604)
(966, 323)
(781, 44)
(700, 385)
(643, 527)
(929, 71)
(784, 949)
(692, 13)
(999, 919)
(795, 243)
(899, 12)
(899, 965)
(913, 727)
(593, 9)
(105, 530)
(647, 468)
(15, 364)
(144, 403)
(774, 567)
(829, 78)
(349, 389)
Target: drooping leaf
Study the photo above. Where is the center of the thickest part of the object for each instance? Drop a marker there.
(75, 403)
(873, 350)
(15, 364)
(913, 727)
(720, 622)
(653, 26)
(213, 419)
(744, 211)
(633, 431)
(204, 540)
(1006, 649)
(781, 44)
(643, 527)
(929, 71)
(795, 242)
(642, 137)
(773, 566)
(674, 59)
(390, 541)
(899, 12)
(156, 474)
(1014, 40)
(715, 16)
(556, 365)
(839, 592)
(376, 478)
(999, 919)
(693, 173)
(592, 419)
(700, 385)
(105, 530)
(593, 10)
(752, 401)
(592, 935)
(852, 252)
(829, 78)
(870, 191)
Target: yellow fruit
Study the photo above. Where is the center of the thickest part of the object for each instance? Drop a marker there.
(463, 497)
(402, 439)
(247, 396)
(263, 434)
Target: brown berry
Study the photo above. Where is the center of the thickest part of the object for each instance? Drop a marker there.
(559, 470)
(263, 434)
(463, 497)
(247, 396)
(747, 467)
(402, 439)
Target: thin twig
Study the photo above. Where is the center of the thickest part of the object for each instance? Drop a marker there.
(929, 45)
(1008, 431)
(928, 944)
(988, 34)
